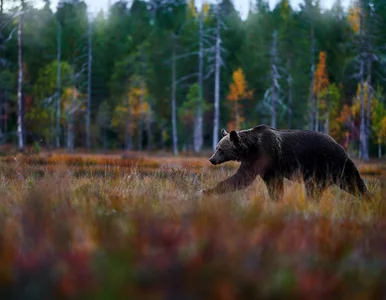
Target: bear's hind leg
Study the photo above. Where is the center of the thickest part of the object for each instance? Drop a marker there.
(275, 186)
(314, 189)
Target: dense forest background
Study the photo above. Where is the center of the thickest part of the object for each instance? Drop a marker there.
(165, 74)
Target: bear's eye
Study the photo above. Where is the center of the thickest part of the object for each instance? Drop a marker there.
(220, 151)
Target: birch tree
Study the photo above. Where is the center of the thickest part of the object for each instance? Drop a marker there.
(89, 73)
(312, 105)
(275, 80)
(216, 116)
(359, 26)
(173, 104)
(321, 83)
(20, 104)
(198, 138)
(59, 84)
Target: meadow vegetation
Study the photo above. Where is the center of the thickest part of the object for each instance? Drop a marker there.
(130, 227)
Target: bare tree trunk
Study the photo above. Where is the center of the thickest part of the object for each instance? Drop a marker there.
(71, 121)
(70, 133)
(216, 117)
(312, 94)
(140, 121)
(163, 142)
(6, 118)
(289, 105)
(363, 144)
(379, 150)
(148, 131)
(104, 138)
(2, 115)
(317, 113)
(52, 129)
(363, 55)
(327, 122)
(237, 114)
(369, 97)
(198, 138)
(88, 115)
(1, 6)
(20, 106)
(174, 117)
(128, 140)
(59, 87)
(274, 77)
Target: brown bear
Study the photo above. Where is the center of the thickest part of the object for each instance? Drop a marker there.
(277, 154)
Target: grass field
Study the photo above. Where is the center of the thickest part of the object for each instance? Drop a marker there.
(130, 227)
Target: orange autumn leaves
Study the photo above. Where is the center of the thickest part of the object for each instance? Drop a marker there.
(237, 92)
(321, 76)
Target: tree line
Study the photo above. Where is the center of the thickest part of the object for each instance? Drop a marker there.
(167, 74)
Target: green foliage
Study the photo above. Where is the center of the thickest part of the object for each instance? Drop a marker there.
(186, 111)
(46, 83)
(136, 39)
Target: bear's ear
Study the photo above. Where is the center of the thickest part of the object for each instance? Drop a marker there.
(224, 132)
(234, 137)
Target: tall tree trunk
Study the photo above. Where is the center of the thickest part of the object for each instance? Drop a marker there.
(274, 78)
(6, 117)
(128, 139)
(198, 138)
(216, 117)
(59, 84)
(174, 117)
(104, 138)
(312, 108)
(317, 113)
(88, 115)
(52, 134)
(163, 142)
(148, 131)
(237, 116)
(1, 6)
(71, 121)
(369, 97)
(379, 150)
(2, 115)
(363, 56)
(327, 122)
(289, 104)
(20, 106)
(140, 120)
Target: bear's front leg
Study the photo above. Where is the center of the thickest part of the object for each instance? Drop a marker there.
(275, 186)
(244, 177)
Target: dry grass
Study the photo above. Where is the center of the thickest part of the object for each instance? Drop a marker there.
(110, 229)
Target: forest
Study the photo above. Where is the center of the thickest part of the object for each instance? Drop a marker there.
(167, 74)
(106, 124)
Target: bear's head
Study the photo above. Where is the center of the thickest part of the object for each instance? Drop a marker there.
(228, 148)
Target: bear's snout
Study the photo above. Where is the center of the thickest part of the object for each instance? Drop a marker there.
(212, 161)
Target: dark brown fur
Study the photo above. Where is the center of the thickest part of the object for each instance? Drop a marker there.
(277, 154)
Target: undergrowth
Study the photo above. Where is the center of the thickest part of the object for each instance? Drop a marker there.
(145, 235)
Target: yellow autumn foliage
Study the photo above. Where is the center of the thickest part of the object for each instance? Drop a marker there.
(356, 106)
(238, 91)
(321, 76)
(192, 8)
(238, 88)
(354, 18)
(71, 94)
(382, 132)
